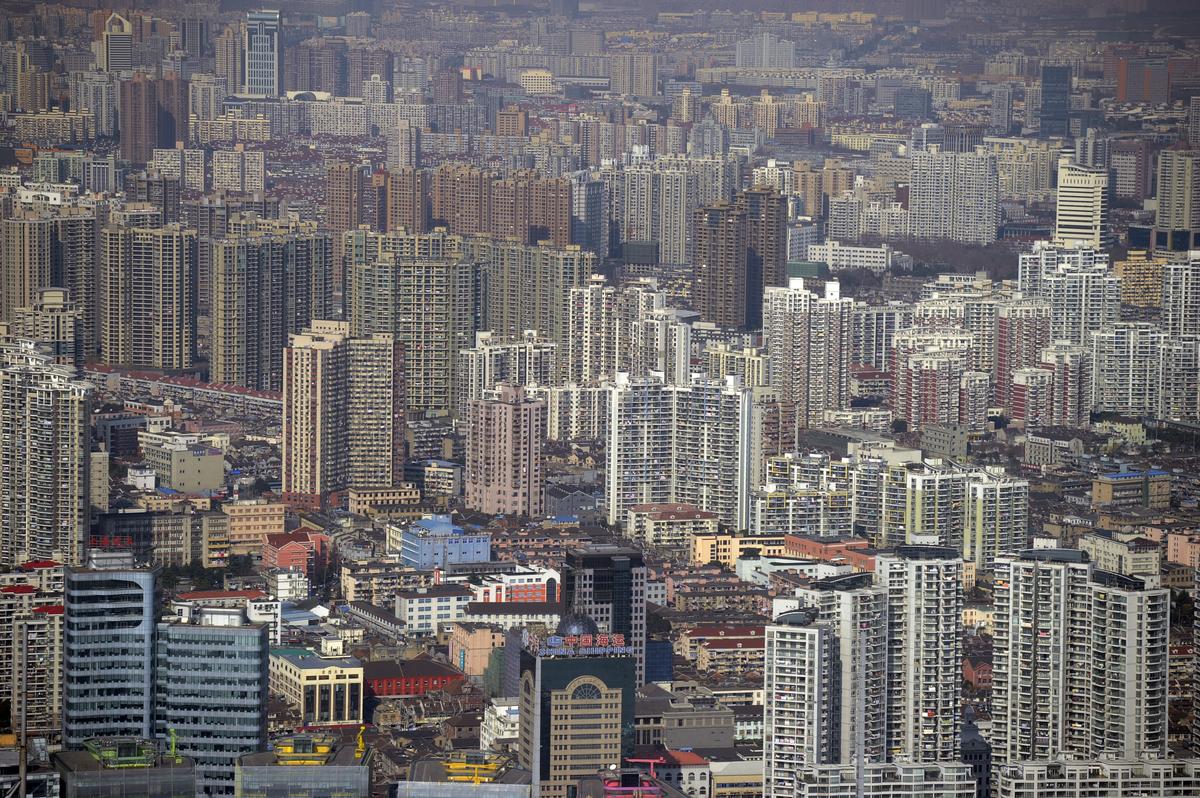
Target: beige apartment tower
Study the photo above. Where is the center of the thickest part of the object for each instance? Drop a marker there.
(504, 453)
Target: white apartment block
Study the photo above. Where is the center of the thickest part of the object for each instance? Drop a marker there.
(808, 338)
(1080, 660)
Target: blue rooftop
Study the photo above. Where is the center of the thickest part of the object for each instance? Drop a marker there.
(437, 526)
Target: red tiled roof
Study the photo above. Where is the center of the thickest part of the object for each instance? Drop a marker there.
(733, 645)
(200, 595)
(18, 589)
(51, 609)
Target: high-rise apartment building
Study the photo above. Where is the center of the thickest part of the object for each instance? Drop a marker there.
(530, 360)
(721, 281)
(954, 196)
(1022, 332)
(407, 200)
(238, 170)
(930, 368)
(147, 298)
(1181, 297)
(45, 504)
(1126, 360)
(429, 305)
(109, 653)
(1081, 211)
(262, 54)
(1071, 383)
(55, 324)
(600, 323)
(139, 119)
(766, 240)
(808, 342)
(1080, 661)
(689, 443)
(1177, 220)
(995, 517)
(608, 585)
(504, 453)
(343, 412)
(344, 190)
(924, 674)
(269, 279)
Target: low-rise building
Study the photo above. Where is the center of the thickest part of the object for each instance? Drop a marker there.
(669, 525)
(730, 656)
(471, 646)
(727, 549)
(429, 610)
(306, 766)
(326, 687)
(409, 677)
(250, 521)
(1150, 488)
(124, 766)
(1124, 553)
(435, 542)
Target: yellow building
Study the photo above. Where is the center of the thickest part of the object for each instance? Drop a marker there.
(250, 521)
(1141, 279)
(1150, 489)
(326, 687)
(726, 549)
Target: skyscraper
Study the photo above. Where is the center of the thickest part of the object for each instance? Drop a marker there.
(1181, 297)
(1081, 211)
(262, 54)
(344, 187)
(139, 119)
(109, 653)
(147, 296)
(1127, 362)
(924, 674)
(721, 282)
(269, 279)
(1056, 101)
(115, 45)
(608, 585)
(1001, 119)
(1177, 220)
(407, 200)
(808, 341)
(504, 457)
(44, 448)
(766, 239)
(954, 196)
(343, 412)
(1080, 665)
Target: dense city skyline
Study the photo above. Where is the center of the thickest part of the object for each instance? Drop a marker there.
(583, 400)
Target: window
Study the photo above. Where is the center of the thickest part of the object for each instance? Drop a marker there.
(585, 692)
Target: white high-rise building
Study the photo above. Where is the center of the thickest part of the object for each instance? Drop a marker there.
(954, 196)
(1181, 297)
(800, 721)
(1081, 302)
(1046, 259)
(808, 339)
(531, 360)
(1081, 211)
(872, 329)
(1127, 368)
(263, 54)
(45, 417)
(600, 319)
(924, 675)
(661, 341)
(686, 443)
(1179, 393)
(1080, 661)
(996, 517)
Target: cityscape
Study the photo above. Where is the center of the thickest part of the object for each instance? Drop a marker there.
(593, 399)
